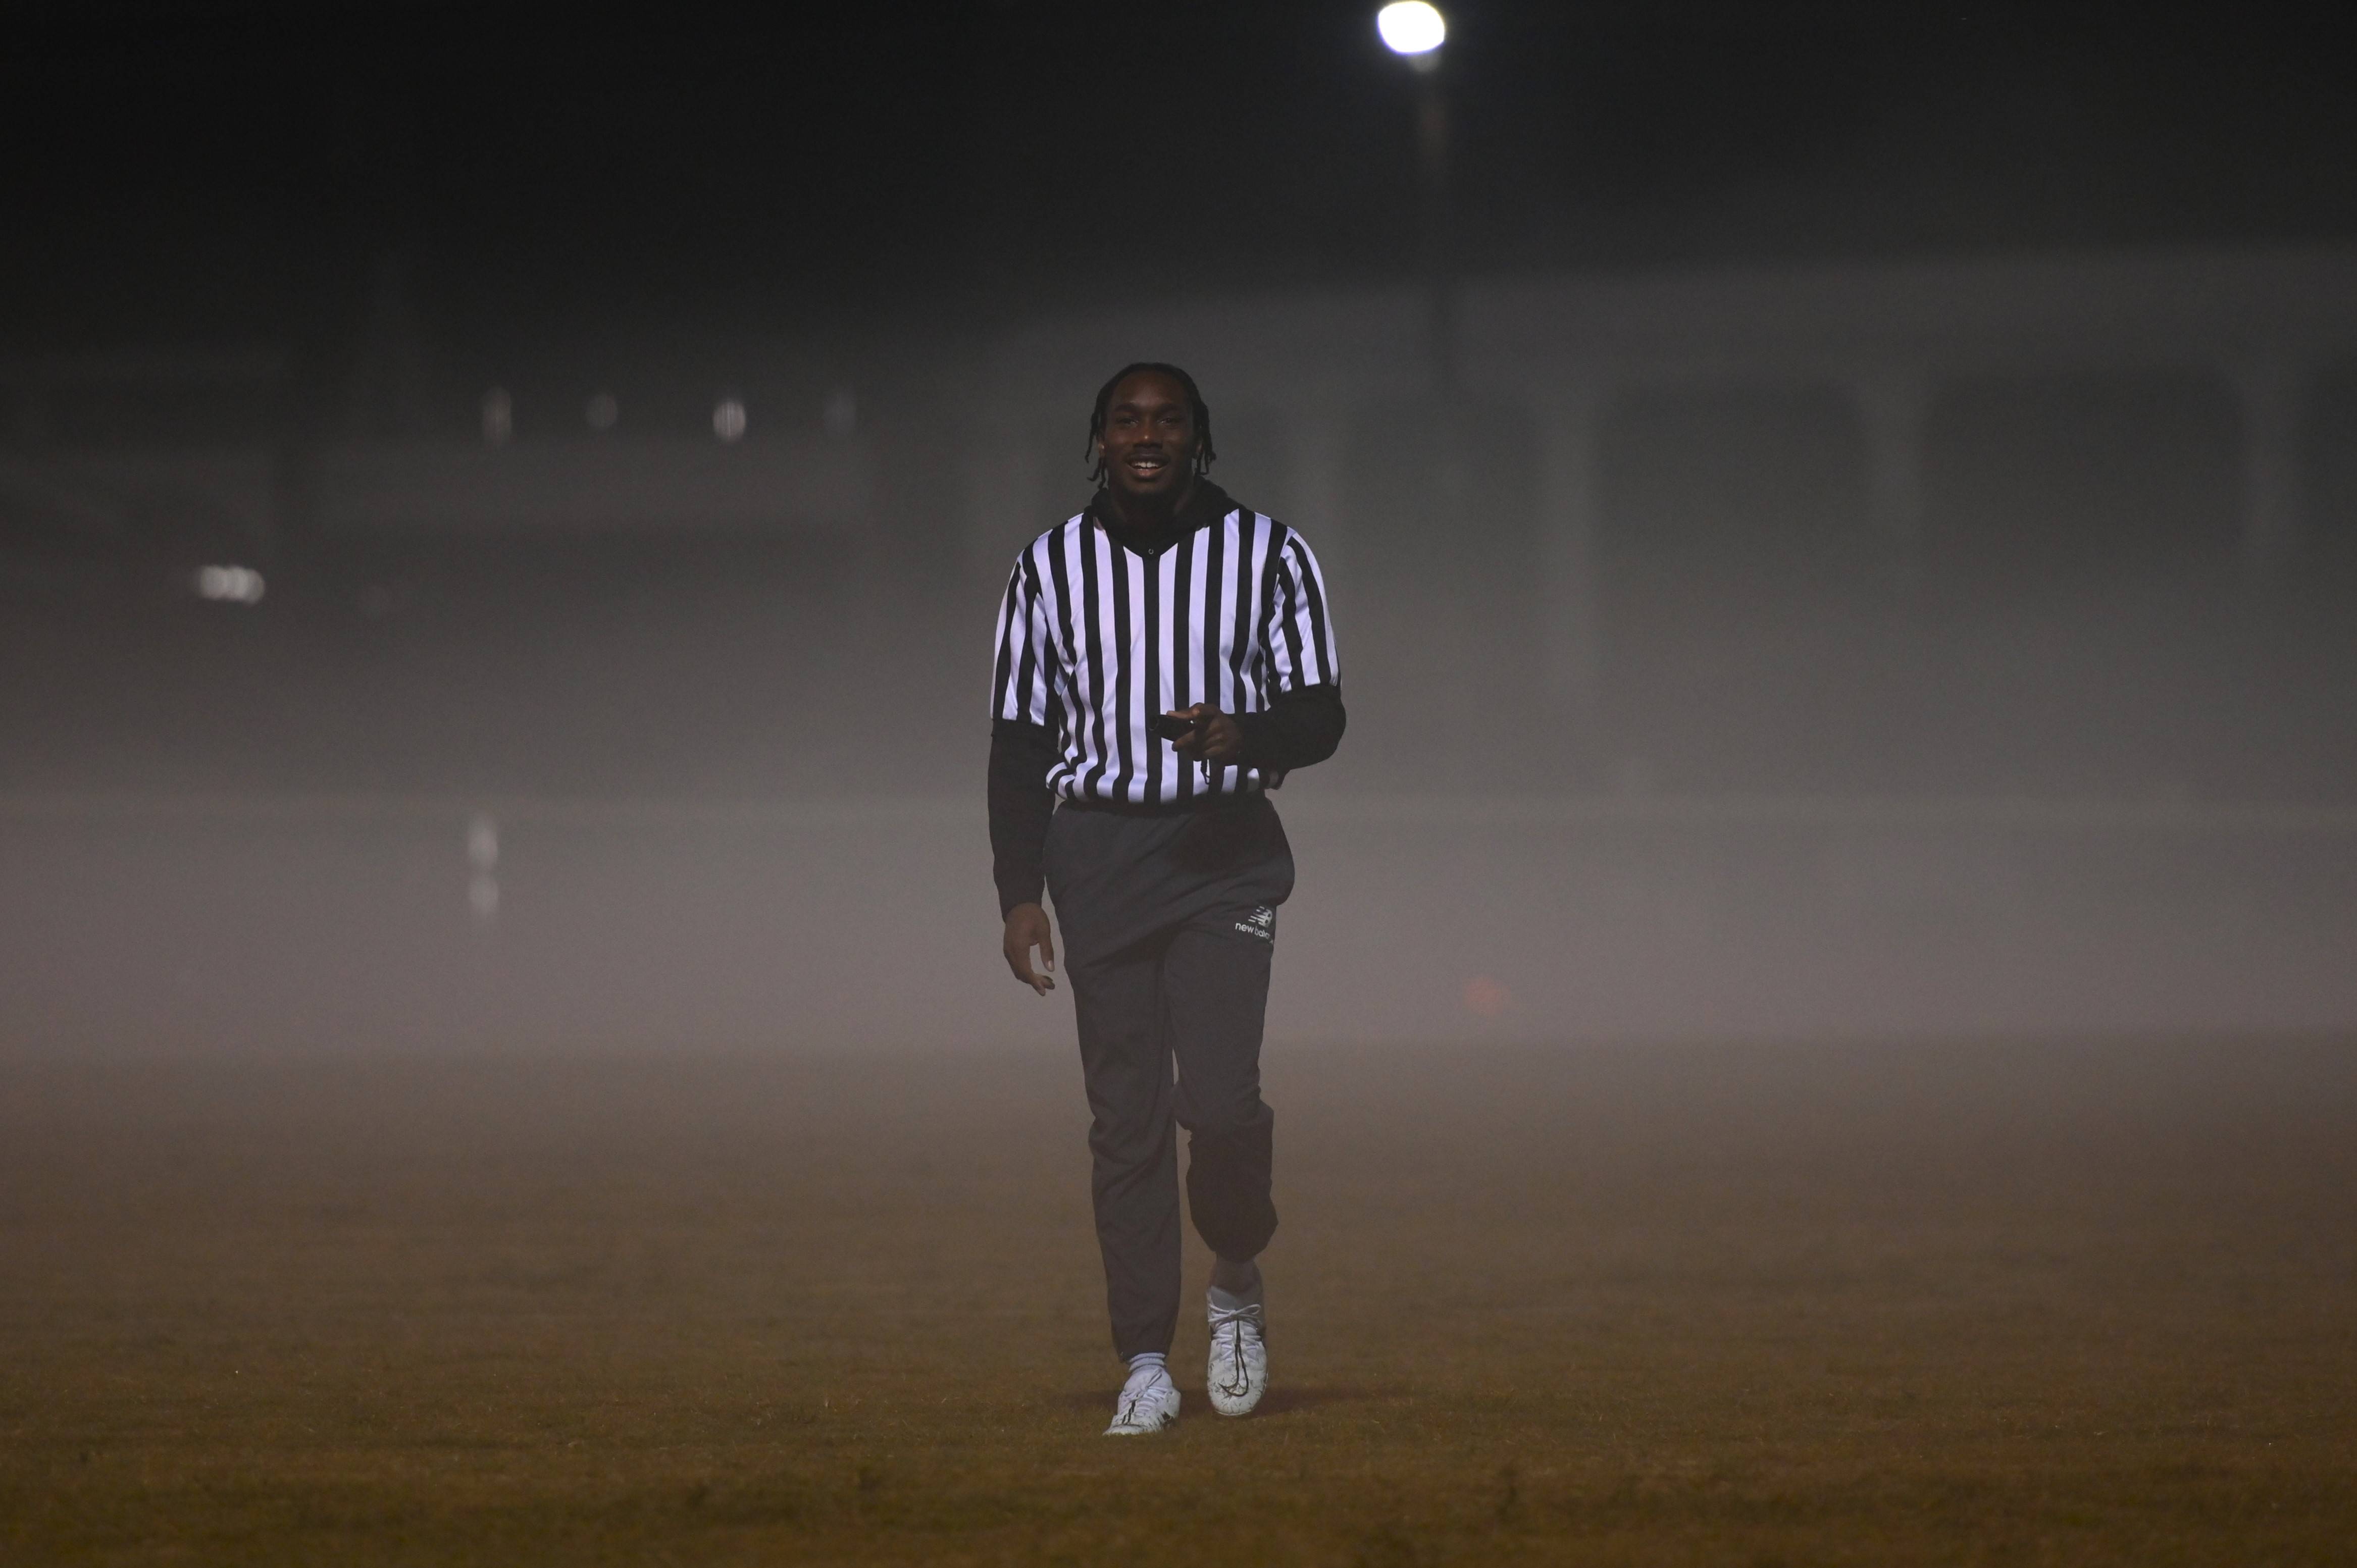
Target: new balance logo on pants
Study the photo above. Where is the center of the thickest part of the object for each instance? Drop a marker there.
(1261, 923)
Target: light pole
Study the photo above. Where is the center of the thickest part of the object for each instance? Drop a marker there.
(1415, 31)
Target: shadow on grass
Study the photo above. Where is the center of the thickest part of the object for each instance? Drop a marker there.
(1277, 1402)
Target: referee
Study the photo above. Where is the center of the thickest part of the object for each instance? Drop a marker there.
(1164, 658)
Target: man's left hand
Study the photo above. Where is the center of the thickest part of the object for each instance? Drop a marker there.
(1214, 739)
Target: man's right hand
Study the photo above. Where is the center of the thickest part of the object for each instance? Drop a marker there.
(1026, 927)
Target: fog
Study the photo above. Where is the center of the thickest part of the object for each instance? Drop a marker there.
(1834, 529)
(1680, 708)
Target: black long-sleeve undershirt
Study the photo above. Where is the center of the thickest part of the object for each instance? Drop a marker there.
(1020, 755)
(1296, 729)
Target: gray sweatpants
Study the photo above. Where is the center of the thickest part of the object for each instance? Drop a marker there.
(1170, 922)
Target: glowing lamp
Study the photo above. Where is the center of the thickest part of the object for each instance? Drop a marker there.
(1412, 27)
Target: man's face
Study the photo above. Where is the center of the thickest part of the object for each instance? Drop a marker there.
(1150, 438)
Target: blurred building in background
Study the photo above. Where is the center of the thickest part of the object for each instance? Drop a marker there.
(2069, 526)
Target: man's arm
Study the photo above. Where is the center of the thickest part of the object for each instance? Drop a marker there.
(1020, 755)
(1022, 749)
(1297, 728)
(1020, 805)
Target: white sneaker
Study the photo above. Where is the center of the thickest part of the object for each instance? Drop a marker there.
(1149, 1402)
(1238, 1374)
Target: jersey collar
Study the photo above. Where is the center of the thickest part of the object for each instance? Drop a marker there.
(1205, 505)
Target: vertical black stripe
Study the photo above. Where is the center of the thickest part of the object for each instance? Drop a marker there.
(1215, 566)
(1120, 764)
(1008, 609)
(1028, 670)
(1153, 748)
(1314, 600)
(1248, 649)
(1060, 610)
(1282, 590)
(1247, 645)
(1063, 609)
(1182, 669)
(1127, 761)
(1094, 661)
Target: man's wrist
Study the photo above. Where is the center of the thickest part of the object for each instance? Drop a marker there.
(1248, 735)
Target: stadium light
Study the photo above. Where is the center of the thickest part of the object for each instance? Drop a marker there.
(1413, 30)
(229, 585)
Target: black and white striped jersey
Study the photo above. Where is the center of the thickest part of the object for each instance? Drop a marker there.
(1096, 637)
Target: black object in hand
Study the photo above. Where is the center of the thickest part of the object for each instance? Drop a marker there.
(1170, 726)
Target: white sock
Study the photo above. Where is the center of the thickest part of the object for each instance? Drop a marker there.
(1147, 1364)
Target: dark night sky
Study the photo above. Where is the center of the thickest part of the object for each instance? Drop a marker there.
(216, 171)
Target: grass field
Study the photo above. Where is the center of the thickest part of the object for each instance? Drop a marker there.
(2021, 1304)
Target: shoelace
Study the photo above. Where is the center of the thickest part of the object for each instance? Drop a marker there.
(1231, 1323)
(1125, 1413)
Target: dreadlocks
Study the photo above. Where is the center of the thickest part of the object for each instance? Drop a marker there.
(1203, 453)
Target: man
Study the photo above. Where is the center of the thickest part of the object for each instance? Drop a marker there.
(1164, 658)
